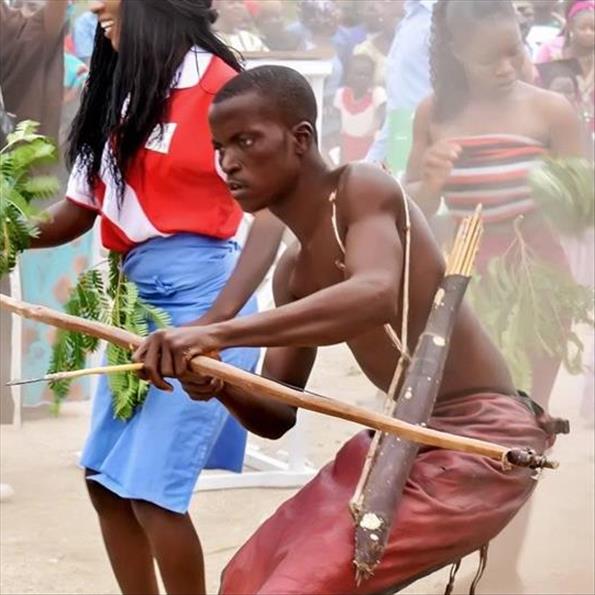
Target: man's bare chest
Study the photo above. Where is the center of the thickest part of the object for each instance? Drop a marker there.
(317, 266)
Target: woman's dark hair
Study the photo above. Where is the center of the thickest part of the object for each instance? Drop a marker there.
(454, 19)
(126, 92)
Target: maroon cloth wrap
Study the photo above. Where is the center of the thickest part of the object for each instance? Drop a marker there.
(453, 503)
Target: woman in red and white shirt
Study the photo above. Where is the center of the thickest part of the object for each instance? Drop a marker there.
(144, 165)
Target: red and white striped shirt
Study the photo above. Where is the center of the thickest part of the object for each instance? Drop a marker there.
(173, 185)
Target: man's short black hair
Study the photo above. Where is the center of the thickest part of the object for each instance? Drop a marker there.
(285, 88)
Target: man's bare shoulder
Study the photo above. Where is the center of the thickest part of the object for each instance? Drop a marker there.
(366, 189)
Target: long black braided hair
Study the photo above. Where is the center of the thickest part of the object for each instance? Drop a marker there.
(126, 92)
(454, 19)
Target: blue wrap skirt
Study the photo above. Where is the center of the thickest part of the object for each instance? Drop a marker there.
(158, 454)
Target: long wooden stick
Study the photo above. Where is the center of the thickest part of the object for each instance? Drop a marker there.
(271, 389)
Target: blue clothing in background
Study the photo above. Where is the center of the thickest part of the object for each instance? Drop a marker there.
(345, 40)
(83, 35)
(158, 454)
(407, 67)
(75, 71)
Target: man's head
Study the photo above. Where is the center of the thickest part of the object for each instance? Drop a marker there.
(263, 124)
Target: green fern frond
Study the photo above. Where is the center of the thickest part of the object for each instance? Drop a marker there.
(40, 187)
(564, 189)
(116, 302)
(25, 150)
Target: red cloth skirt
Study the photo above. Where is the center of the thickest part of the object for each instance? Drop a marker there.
(453, 504)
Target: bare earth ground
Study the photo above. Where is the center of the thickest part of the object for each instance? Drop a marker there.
(50, 541)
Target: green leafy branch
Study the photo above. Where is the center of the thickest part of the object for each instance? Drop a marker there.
(19, 188)
(117, 303)
(564, 190)
(530, 308)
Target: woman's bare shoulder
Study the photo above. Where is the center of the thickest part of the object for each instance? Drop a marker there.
(547, 102)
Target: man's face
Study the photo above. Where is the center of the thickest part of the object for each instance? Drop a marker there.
(256, 151)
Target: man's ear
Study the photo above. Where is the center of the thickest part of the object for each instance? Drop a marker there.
(304, 136)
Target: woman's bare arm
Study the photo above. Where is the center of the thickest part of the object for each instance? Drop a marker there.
(65, 221)
(257, 257)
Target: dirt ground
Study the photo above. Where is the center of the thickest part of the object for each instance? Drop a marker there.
(50, 541)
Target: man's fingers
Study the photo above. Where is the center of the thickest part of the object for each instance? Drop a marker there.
(152, 366)
(182, 359)
(138, 357)
(167, 362)
(139, 354)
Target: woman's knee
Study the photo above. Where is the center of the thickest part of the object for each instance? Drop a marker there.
(152, 517)
(104, 501)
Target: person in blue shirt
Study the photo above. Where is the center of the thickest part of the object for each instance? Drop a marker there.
(351, 30)
(407, 79)
(83, 35)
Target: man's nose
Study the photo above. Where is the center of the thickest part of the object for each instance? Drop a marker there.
(229, 164)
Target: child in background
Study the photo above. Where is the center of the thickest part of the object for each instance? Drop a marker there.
(362, 108)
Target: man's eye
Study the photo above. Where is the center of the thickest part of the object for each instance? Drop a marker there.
(246, 142)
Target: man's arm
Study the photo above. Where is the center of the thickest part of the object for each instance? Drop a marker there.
(290, 365)
(54, 18)
(373, 266)
(257, 257)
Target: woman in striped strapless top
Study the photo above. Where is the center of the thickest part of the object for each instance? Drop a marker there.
(493, 170)
(477, 138)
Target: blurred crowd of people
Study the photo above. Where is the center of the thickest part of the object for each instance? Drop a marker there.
(378, 50)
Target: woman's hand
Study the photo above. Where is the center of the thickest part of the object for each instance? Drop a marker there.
(437, 164)
(167, 353)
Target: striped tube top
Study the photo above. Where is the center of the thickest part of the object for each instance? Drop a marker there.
(493, 170)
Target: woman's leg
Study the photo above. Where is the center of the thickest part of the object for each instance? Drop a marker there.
(127, 546)
(176, 546)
